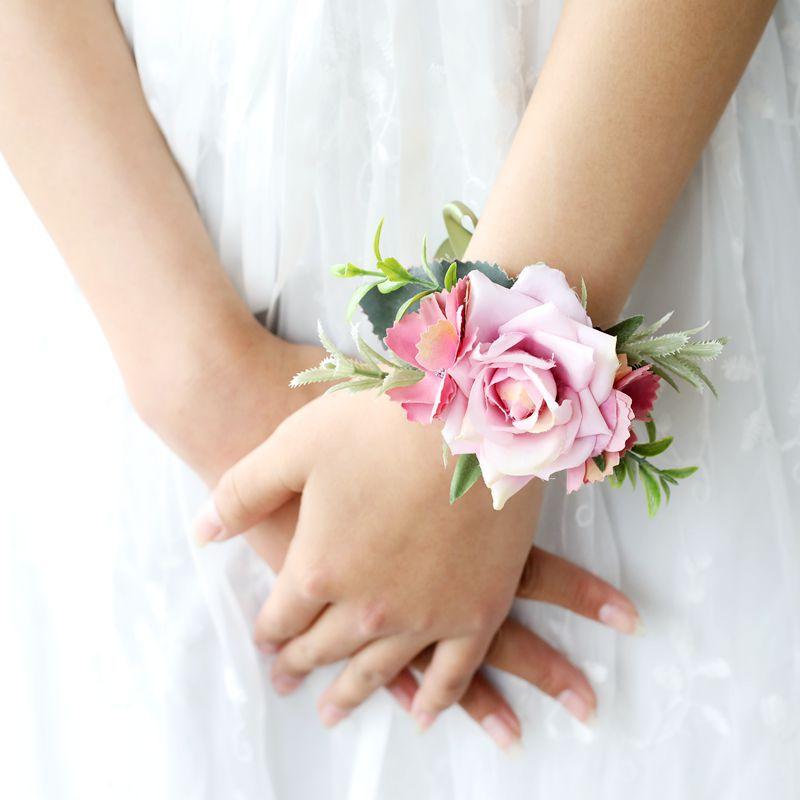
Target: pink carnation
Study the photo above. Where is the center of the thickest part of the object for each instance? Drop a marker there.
(519, 377)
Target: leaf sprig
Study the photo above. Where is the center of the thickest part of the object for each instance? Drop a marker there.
(390, 276)
(670, 355)
(656, 480)
(373, 370)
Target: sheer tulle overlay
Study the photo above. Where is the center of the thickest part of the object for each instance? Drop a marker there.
(130, 671)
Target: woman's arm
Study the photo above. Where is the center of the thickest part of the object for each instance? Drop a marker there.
(629, 94)
(77, 132)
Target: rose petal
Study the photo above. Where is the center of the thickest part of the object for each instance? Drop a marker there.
(490, 305)
(605, 360)
(548, 285)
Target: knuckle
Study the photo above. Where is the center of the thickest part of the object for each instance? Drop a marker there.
(582, 591)
(307, 655)
(372, 619)
(370, 676)
(314, 583)
(551, 676)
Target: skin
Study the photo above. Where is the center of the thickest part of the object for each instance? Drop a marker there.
(630, 92)
(199, 370)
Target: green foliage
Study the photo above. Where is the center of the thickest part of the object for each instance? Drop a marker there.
(625, 329)
(458, 236)
(450, 277)
(373, 370)
(383, 310)
(657, 482)
(653, 448)
(466, 472)
(671, 356)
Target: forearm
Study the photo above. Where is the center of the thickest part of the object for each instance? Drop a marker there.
(630, 93)
(76, 131)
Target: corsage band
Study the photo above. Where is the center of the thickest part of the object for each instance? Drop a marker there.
(522, 383)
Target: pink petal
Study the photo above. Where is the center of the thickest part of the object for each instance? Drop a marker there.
(575, 477)
(420, 400)
(574, 361)
(605, 360)
(642, 387)
(403, 336)
(548, 285)
(437, 346)
(592, 421)
(490, 305)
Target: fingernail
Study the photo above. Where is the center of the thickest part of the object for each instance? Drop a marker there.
(499, 729)
(511, 720)
(267, 648)
(576, 706)
(403, 696)
(285, 683)
(620, 619)
(331, 714)
(424, 720)
(207, 524)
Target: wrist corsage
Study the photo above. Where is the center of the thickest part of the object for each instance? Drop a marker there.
(522, 383)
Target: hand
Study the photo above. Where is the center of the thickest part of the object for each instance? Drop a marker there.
(381, 566)
(546, 578)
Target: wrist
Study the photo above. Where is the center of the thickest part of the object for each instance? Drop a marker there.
(226, 393)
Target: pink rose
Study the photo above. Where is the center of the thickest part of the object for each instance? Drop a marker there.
(518, 376)
(641, 387)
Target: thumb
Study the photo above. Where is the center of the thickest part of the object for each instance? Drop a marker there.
(260, 483)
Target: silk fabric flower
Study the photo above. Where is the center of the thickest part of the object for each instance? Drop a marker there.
(520, 378)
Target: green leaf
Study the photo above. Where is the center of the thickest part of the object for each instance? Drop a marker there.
(387, 286)
(618, 476)
(632, 468)
(648, 449)
(376, 242)
(394, 270)
(349, 270)
(665, 487)
(458, 237)
(467, 471)
(690, 372)
(625, 329)
(651, 329)
(381, 309)
(584, 294)
(651, 489)
(600, 462)
(400, 378)
(651, 430)
(451, 276)
(357, 296)
(410, 302)
(679, 472)
(372, 355)
(425, 265)
(313, 375)
(356, 385)
(665, 345)
(705, 350)
(656, 370)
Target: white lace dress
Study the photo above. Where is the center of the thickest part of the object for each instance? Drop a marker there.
(128, 669)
